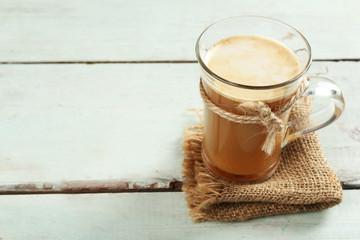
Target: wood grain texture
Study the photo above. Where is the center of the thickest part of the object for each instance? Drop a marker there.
(62, 123)
(159, 216)
(114, 30)
(65, 126)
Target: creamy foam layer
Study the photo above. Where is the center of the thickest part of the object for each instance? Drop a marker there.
(252, 60)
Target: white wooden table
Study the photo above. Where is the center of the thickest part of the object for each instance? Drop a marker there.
(93, 99)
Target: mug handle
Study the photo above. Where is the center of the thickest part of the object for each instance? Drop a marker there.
(326, 89)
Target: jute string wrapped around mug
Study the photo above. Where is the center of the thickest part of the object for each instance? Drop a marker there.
(257, 112)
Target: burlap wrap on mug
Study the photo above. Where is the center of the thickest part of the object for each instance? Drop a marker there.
(302, 182)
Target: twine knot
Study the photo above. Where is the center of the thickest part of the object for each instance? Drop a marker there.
(257, 112)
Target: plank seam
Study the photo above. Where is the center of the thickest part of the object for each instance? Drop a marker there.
(147, 62)
(94, 187)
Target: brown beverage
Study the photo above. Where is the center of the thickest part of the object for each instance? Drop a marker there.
(231, 149)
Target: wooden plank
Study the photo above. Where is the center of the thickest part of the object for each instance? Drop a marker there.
(159, 216)
(65, 123)
(115, 127)
(342, 139)
(115, 30)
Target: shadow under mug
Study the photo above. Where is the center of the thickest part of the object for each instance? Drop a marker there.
(234, 150)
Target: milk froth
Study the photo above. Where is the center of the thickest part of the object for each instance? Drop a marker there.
(254, 61)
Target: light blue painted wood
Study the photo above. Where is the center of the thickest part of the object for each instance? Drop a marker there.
(66, 125)
(159, 216)
(158, 30)
(62, 123)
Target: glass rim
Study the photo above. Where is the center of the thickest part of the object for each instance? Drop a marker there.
(217, 77)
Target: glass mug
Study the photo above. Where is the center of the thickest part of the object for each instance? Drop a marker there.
(234, 150)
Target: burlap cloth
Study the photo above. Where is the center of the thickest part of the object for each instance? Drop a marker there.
(302, 182)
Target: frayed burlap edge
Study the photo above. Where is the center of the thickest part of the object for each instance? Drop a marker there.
(303, 182)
